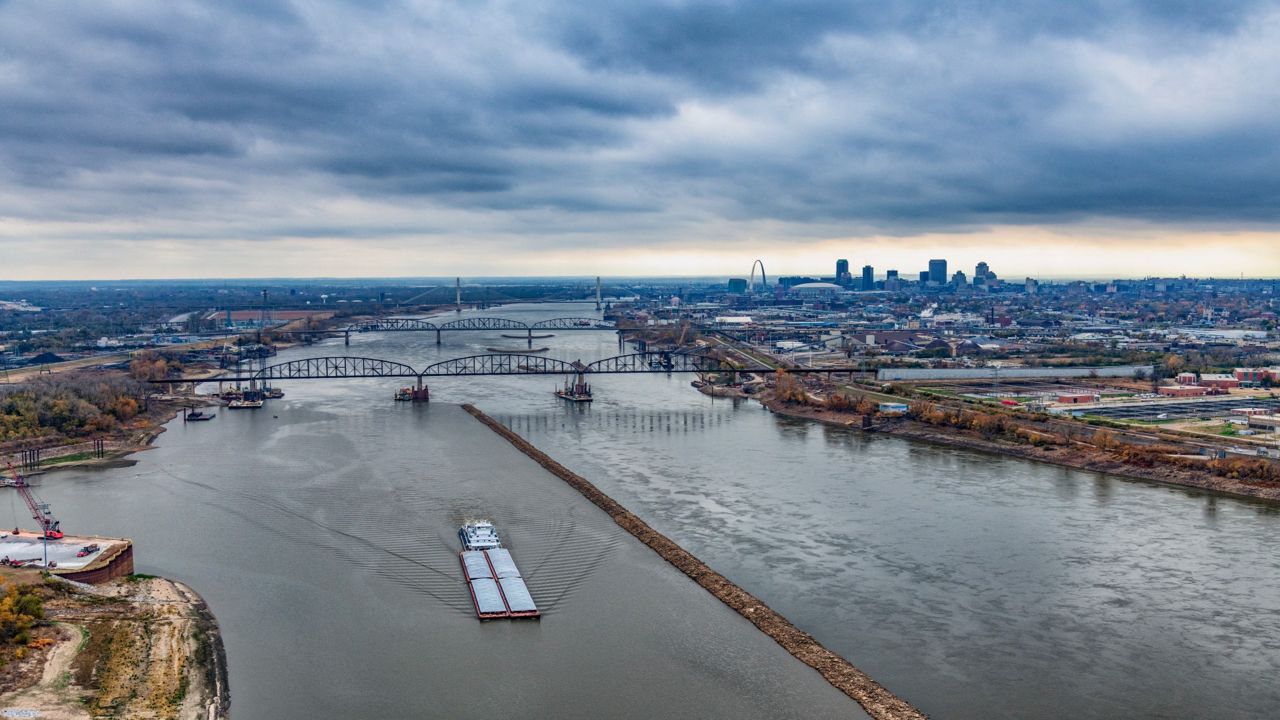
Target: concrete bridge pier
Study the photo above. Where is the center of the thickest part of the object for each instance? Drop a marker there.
(437, 336)
(346, 338)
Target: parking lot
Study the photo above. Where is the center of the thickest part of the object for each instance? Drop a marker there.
(1185, 410)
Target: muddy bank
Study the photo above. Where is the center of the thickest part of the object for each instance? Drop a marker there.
(878, 701)
(1081, 456)
(136, 647)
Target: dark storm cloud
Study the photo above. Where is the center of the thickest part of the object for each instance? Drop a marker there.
(895, 117)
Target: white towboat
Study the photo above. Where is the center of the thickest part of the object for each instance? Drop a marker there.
(479, 535)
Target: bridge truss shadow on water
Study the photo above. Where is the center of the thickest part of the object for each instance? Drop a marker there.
(663, 421)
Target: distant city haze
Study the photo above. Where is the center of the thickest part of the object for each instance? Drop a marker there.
(401, 139)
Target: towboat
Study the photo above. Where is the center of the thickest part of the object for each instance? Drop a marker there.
(404, 394)
(496, 587)
(479, 535)
(199, 416)
(272, 393)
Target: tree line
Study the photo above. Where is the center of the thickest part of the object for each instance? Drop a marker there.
(69, 405)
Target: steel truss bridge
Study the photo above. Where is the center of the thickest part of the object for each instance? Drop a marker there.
(343, 366)
(464, 324)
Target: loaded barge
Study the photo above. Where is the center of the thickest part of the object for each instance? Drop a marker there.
(497, 590)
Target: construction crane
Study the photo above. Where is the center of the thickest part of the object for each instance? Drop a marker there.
(39, 509)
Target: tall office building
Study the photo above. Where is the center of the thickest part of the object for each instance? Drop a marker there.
(891, 280)
(924, 276)
(980, 273)
(843, 278)
(868, 278)
(938, 272)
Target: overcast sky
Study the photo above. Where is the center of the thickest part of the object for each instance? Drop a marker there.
(180, 139)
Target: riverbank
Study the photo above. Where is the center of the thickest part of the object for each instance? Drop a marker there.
(1078, 455)
(877, 700)
(135, 647)
(115, 451)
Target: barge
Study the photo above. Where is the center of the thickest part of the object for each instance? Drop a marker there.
(497, 590)
(579, 390)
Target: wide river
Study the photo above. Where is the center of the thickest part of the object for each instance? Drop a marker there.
(973, 585)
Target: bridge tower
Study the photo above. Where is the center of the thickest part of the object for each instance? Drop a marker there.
(457, 295)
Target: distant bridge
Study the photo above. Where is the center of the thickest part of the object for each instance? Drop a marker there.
(482, 323)
(463, 325)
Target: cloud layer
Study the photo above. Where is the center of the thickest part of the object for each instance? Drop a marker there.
(540, 126)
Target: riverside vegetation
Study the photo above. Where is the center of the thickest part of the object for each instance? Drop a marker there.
(1065, 442)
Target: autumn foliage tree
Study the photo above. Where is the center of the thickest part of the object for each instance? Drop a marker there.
(152, 365)
(788, 389)
(20, 610)
(69, 405)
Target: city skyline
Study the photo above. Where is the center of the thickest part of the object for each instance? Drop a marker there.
(407, 139)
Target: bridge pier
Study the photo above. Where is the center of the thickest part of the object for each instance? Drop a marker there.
(346, 338)
(421, 393)
(437, 336)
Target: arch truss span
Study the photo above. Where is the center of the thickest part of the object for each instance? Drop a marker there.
(335, 367)
(500, 365)
(658, 362)
(571, 323)
(394, 325)
(484, 323)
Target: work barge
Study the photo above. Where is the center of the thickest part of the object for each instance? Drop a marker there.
(86, 559)
(110, 558)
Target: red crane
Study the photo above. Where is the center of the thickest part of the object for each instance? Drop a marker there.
(39, 509)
